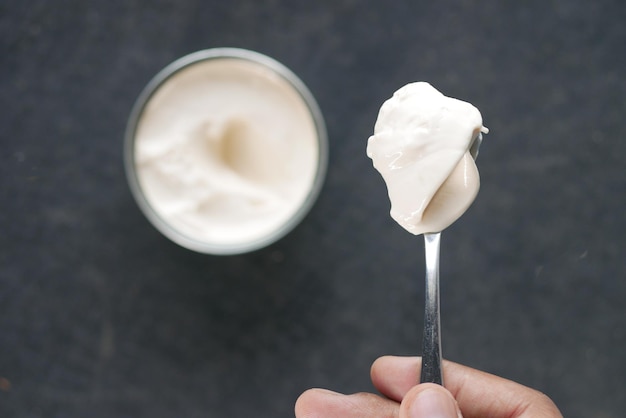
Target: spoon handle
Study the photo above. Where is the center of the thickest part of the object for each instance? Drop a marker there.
(431, 348)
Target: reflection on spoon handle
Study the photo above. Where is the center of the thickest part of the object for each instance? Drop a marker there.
(431, 348)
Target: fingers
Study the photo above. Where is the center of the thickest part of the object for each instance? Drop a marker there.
(321, 403)
(478, 393)
(395, 376)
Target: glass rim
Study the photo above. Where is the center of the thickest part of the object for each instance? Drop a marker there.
(165, 227)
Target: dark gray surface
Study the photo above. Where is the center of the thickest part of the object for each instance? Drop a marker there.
(101, 316)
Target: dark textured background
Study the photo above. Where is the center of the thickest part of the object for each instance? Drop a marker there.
(101, 316)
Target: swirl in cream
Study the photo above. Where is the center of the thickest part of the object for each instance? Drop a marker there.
(421, 147)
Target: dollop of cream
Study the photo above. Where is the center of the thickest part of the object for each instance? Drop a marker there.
(421, 147)
(226, 151)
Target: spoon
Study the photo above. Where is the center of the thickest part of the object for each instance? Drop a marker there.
(431, 346)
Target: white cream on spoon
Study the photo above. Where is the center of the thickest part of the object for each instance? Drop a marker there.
(421, 147)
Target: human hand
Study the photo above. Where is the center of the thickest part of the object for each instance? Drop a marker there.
(469, 393)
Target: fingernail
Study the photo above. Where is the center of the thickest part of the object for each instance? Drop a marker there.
(434, 403)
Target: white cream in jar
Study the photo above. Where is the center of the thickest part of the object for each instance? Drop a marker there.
(421, 148)
(227, 152)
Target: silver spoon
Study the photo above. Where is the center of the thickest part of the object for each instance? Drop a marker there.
(431, 346)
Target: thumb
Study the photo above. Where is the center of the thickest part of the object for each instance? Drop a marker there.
(429, 401)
